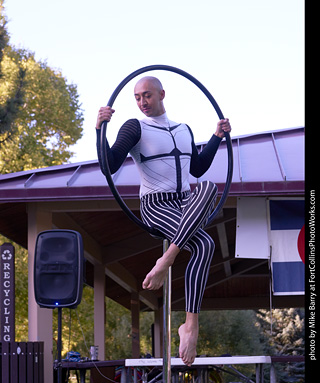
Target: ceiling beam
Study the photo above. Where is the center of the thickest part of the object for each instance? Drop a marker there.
(217, 278)
(178, 270)
(237, 269)
(129, 247)
(91, 247)
(123, 278)
(224, 247)
(224, 216)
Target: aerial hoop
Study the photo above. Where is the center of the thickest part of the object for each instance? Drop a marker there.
(105, 165)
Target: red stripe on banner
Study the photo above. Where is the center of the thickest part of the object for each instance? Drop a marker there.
(301, 244)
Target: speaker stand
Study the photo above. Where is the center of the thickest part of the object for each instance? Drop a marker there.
(59, 345)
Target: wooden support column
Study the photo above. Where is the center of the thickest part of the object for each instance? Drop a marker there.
(135, 324)
(40, 319)
(99, 309)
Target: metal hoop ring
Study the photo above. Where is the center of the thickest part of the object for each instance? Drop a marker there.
(105, 166)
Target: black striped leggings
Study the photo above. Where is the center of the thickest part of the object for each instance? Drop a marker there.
(180, 216)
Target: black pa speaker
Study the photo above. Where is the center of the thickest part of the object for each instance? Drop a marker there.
(58, 269)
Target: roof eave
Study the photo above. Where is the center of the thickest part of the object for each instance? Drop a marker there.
(132, 192)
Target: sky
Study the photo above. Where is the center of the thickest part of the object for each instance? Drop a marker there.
(249, 54)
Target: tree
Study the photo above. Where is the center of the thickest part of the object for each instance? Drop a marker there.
(231, 332)
(21, 291)
(78, 330)
(224, 332)
(49, 121)
(286, 338)
(9, 104)
(40, 113)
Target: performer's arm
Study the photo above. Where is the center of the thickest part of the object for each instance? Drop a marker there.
(128, 136)
(200, 162)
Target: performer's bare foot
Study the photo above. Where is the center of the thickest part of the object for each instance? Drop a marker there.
(188, 333)
(155, 278)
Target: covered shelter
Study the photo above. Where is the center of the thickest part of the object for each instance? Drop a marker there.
(119, 254)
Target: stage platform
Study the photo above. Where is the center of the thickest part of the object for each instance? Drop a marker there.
(137, 370)
(205, 361)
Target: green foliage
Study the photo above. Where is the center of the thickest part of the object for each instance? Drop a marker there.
(231, 332)
(146, 321)
(49, 121)
(40, 113)
(77, 326)
(21, 294)
(118, 331)
(9, 104)
(4, 38)
(286, 338)
(78, 329)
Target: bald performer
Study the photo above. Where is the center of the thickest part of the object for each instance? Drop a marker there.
(165, 154)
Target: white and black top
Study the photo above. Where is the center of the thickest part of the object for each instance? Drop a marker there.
(164, 152)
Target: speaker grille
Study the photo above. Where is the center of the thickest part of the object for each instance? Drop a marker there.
(58, 268)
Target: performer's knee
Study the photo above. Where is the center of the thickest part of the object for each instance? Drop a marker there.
(209, 190)
(209, 186)
(208, 245)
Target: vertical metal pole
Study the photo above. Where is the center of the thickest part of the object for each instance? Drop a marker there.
(59, 345)
(166, 370)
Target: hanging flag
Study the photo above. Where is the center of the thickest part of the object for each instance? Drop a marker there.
(286, 229)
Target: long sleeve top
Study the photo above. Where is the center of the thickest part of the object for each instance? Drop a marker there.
(164, 152)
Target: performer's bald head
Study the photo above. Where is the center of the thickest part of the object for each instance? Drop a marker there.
(149, 81)
(149, 95)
